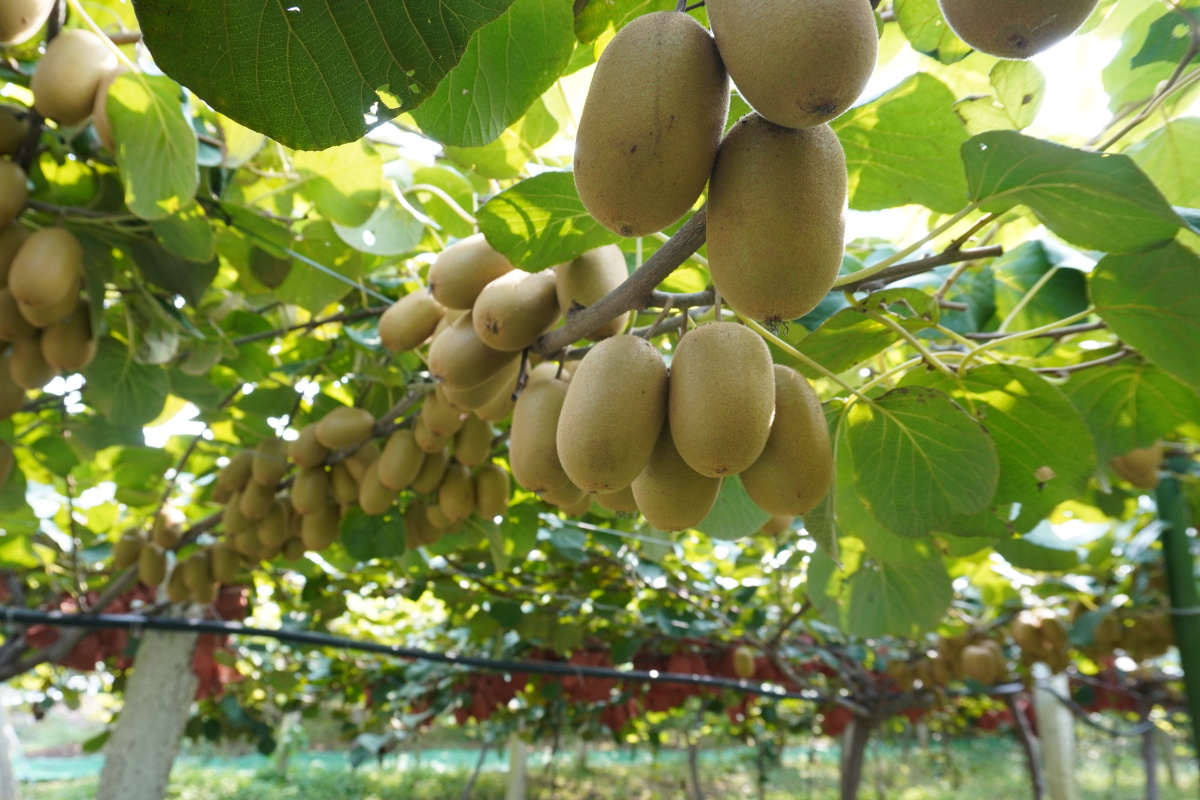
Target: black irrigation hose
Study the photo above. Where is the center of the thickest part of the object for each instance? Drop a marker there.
(136, 622)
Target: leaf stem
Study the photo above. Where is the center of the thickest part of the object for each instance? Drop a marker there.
(1029, 334)
(908, 336)
(796, 354)
(1028, 298)
(875, 269)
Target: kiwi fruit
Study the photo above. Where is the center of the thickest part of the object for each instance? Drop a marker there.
(177, 591)
(491, 491)
(473, 444)
(980, 664)
(722, 398)
(12, 396)
(270, 462)
(410, 321)
(169, 524)
(13, 325)
(197, 572)
(345, 427)
(231, 515)
(14, 127)
(417, 530)
(1139, 466)
(622, 501)
(128, 548)
(532, 445)
(310, 490)
(651, 124)
(777, 524)
(256, 501)
(459, 357)
(743, 662)
(614, 408)
(795, 470)
(246, 543)
(152, 565)
(427, 440)
(456, 493)
(69, 344)
(441, 419)
(362, 458)
(501, 406)
(318, 531)
(45, 316)
(515, 309)
(21, 19)
(275, 528)
(776, 218)
(400, 461)
(236, 474)
(569, 494)
(66, 80)
(305, 450)
(343, 484)
(799, 63)
(580, 507)
(12, 237)
(461, 271)
(671, 495)
(205, 594)
(28, 366)
(452, 316)
(225, 563)
(589, 278)
(14, 191)
(293, 549)
(1014, 29)
(437, 518)
(47, 269)
(491, 392)
(373, 497)
(430, 475)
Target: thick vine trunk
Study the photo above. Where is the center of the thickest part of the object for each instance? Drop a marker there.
(517, 773)
(1056, 724)
(1029, 746)
(854, 750)
(694, 769)
(145, 742)
(8, 757)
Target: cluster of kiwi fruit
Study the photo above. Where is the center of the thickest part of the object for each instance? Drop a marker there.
(45, 323)
(970, 656)
(1142, 634)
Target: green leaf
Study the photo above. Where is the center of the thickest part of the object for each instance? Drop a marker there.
(344, 182)
(156, 147)
(529, 45)
(541, 222)
(456, 187)
(126, 392)
(187, 279)
(506, 157)
(1062, 294)
(187, 234)
(920, 460)
(903, 148)
(603, 16)
(366, 537)
(1131, 405)
(1171, 157)
(392, 230)
(926, 29)
(1098, 201)
(1042, 550)
(307, 78)
(1044, 446)
(734, 514)
(1019, 87)
(1152, 301)
(312, 288)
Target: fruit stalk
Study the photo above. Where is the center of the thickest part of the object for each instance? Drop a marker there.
(1178, 563)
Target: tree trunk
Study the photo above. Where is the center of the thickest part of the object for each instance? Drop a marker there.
(1168, 754)
(1029, 746)
(854, 749)
(517, 773)
(8, 753)
(145, 742)
(1057, 726)
(694, 768)
(470, 787)
(1149, 761)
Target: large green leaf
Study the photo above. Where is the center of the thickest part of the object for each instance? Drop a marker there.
(845, 339)
(506, 157)
(1045, 448)
(595, 17)
(1171, 157)
(1042, 550)
(1094, 200)
(187, 279)
(1152, 301)
(156, 147)
(126, 392)
(308, 76)
(529, 45)
(187, 234)
(904, 148)
(366, 537)
(734, 514)
(1132, 405)
(541, 222)
(342, 182)
(920, 460)
(1061, 294)
(926, 29)
(1019, 88)
(313, 288)
(392, 229)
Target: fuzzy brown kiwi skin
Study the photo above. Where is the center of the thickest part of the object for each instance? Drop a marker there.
(462, 270)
